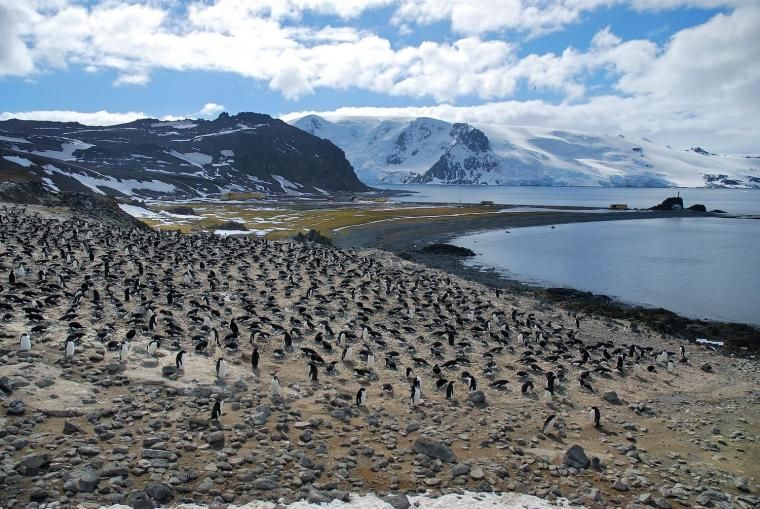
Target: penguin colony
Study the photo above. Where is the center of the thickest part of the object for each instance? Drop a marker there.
(307, 324)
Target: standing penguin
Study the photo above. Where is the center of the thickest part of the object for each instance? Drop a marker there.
(416, 395)
(255, 358)
(471, 383)
(180, 361)
(274, 387)
(450, 390)
(595, 416)
(313, 373)
(347, 351)
(124, 351)
(216, 411)
(361, 397)
(152, 347)
(221, 367)
(370, 360)
(25, 342)
(70, 348)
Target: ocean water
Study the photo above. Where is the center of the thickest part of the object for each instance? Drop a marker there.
(733, 201)
(697, 267)
(467, 500)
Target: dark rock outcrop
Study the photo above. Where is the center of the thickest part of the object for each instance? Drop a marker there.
(698, 208)
(447, 249)
(434, 449)
(672, 203)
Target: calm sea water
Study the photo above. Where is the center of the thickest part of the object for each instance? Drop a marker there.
(697, 267)
(733, 201)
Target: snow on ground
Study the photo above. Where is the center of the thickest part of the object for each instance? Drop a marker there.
(467, 500)
(195, 158)
(126, 186)
(14, 140)
(179, 124)
(228, 153)
(49, 184)
(67, 150)
(26, 163)
(288, 187)
(139, 212)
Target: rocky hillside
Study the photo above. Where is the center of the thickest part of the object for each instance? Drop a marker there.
(192, 158)
(429, 151)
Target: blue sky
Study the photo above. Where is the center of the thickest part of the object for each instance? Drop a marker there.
(534, 59)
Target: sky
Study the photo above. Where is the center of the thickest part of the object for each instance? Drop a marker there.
(680, 72)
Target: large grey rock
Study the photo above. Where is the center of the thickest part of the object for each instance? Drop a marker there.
(141, 500)
(88, 480)
(265, 484)
(16, 407)
(612, 397)
(576, 457)
(477, 397)
(397, 501)
(215, 439)
(159, 492)
(31, 463)
(69, 428)
(434, 449)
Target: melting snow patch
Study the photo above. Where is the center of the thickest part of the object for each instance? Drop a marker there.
(195, 158)
(287, 186)
(26, 163)
(228, 153)
(50, 184)
(176, 125)
(703, 341)
(135, 211)
(67, 150)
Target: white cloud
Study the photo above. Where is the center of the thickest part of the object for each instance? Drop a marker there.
(101, 117)
(210, 110)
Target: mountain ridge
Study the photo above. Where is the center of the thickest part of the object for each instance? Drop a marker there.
(183, 158)
(392, 151)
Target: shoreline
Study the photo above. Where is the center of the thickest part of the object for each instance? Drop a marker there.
(405, 240)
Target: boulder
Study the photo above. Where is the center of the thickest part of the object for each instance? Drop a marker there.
(697, 207)
(182, 211)
(159, 492)
(576, 457)
(215, 439)
(477, 397)
(434, 449)
(672, 203)
(31, 463)
(397, 501)
(612, 397)
(69, 428)
(140, 500)
(707, 368)
(88, 480)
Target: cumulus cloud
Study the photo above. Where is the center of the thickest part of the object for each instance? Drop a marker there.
(210, 110)
(101, 117)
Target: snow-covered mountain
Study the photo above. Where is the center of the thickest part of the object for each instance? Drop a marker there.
(425, 150)
(190, 158)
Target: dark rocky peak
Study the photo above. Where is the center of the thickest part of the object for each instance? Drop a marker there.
(472, 138)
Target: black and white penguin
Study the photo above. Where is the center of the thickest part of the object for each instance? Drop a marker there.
(450, 390)
(370, 360)
(25, 342)
(70, 348)
(274, 387)
(313, 373)
(409, 373)
(595, 416)
(416, 395)
(472, 385)
(437, 369)
(179, 360)
(221, 367)
(361, 397)
(527, 387)
(124, 351)
(234, 328)
(255, 358)
(216, 411)
(152, 347)
(549, 424)
(348, 350)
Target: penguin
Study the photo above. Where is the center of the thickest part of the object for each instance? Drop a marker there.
(180, 361)
(450, 390)
(416, 395)
(221, 367)
(620, 364)
(361, 397)
(549, 424)
(472, 385)
(527, 387)
(124, 351)
(25, 342)
(409, 373)
(216, 411)
(255, 358)
(595, 416)
(437, 369)
(70, 348)
(274, 387)
(347, 351)
(234, 328)
(313, 373)
(370, 360)
(152, 347)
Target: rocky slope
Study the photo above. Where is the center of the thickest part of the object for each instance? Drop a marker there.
(191, 158)
(424, 150)
(98, 427)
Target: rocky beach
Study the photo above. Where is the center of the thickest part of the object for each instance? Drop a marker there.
(98, 410)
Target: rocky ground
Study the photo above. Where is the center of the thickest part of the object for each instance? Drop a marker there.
(94, 429)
